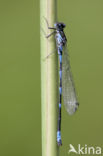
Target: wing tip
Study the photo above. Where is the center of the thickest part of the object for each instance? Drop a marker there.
(73, 110)
(77, 105)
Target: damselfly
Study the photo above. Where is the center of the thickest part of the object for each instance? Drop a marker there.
(66, 84)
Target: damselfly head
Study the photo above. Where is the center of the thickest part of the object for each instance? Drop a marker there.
(59, 26)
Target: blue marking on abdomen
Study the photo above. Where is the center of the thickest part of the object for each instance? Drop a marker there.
(59, 105)
(58, 136)
(60, 58)
(60, 74)
(60, 90)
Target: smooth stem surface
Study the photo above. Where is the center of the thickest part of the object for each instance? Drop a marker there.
(49, 79)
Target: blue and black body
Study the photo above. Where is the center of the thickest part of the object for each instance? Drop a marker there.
(60, 43)
(65, 77)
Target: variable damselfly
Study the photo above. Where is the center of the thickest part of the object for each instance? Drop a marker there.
(66, 84)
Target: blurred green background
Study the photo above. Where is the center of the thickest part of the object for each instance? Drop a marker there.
(20, 110)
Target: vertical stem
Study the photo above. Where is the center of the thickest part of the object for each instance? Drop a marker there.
(49, 79)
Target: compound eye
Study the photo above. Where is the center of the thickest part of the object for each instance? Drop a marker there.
(64, 25)
(60, 24)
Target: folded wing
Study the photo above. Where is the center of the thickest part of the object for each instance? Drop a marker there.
(69, 93)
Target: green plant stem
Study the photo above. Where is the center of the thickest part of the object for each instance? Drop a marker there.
(49, 79)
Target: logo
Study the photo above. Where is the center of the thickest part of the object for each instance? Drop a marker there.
(85, 149)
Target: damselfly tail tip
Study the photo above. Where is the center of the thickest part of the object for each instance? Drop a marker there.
(59, 143)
